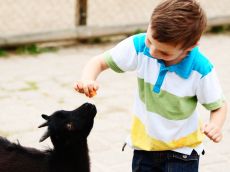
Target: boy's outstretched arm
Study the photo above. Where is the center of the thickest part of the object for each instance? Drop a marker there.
(214, 127)
(87, 85)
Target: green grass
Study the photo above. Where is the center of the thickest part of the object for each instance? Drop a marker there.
(31, 86)
(220, 29)
(139, 31)
(3, 53)
(33, 49)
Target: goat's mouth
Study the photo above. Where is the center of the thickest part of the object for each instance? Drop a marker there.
(93, 110)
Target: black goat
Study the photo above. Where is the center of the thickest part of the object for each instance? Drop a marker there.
(68, 131)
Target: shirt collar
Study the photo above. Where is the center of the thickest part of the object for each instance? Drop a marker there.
(184, 68)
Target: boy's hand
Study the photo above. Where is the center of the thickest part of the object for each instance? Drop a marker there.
(212, 131)
(89, 88)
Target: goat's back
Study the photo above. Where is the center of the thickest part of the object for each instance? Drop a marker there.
(15, 158)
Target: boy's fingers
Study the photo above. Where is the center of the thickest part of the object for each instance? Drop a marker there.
(218, 139)
(91, 90)
(208, 128)
(90, 87)
(203, 128)
(216, 136)
(75, 87)
(96, 86)
(78, 85)
(86, 90)
(213, 132)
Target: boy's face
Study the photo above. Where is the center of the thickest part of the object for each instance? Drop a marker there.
(169, 53)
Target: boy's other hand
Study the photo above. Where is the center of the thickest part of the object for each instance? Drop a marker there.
(89, 88)
(212, 131)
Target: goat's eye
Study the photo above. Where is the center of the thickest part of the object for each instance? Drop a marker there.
(70, 126)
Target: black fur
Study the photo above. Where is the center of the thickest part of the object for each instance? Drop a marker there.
(68, 131)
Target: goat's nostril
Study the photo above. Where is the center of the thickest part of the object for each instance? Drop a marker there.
(94, 109)
(87, 104)
(90, 107)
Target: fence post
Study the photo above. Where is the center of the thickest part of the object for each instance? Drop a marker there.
(81, 12)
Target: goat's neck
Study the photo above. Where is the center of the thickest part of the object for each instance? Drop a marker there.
(76, 149)
(74, 156)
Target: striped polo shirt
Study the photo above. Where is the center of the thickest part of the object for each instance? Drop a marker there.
(164, 112)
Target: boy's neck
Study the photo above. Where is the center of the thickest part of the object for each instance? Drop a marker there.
(177, 60)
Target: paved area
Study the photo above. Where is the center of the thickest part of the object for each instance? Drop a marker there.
(30, 86)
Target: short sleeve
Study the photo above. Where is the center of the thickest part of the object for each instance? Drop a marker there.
(122, 57)
(209, 92)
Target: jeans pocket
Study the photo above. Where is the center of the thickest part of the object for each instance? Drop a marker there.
(183, 163)
(193, 157)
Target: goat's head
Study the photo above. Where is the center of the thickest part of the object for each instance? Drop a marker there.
(67, 128)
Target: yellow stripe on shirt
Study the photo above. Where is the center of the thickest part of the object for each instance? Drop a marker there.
(141, 139)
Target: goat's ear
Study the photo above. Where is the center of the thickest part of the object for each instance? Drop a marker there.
(43, 125)
(46, 117)
(45, 136)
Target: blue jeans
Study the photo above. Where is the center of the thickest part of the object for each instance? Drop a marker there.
(164, 161)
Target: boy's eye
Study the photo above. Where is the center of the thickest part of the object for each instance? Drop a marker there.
(165, 54)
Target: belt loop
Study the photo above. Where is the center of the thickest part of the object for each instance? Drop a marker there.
(203, 152)
(123, 147)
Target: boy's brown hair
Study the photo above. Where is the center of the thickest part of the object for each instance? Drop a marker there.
(179, 22)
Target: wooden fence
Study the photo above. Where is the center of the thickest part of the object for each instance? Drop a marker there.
(84, 31)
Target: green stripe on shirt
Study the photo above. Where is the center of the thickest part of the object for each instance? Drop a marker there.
(166, 104)
(214, 105)
(109, 61)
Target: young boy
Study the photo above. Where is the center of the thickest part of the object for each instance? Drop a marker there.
(172, 76)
